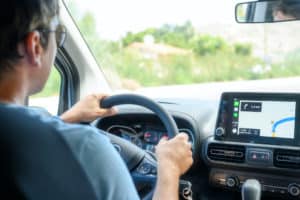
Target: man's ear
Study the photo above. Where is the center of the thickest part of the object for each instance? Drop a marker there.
(33, 48)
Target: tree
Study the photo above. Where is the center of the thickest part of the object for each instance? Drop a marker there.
(207, 45)
(87, 25)
(176, 35)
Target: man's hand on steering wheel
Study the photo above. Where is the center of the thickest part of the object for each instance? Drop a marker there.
(87, 110)
(174, 158)
(174, 155)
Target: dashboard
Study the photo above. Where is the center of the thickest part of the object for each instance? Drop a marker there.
(238, 137)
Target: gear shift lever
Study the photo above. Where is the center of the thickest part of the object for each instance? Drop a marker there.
(251, 190)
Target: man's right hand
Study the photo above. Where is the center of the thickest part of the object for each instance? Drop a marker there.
(174, 154)
(174, 158)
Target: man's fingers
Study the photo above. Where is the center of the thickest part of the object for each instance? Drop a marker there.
(101, 96)
(189, 144)
(107, 112)
(190, 161)
(163, 140)
(183, 136)
(112, 111)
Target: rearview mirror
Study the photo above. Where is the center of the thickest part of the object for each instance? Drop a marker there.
(267, 11)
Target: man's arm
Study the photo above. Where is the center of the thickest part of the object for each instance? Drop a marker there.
(174, 159)
(166, 186)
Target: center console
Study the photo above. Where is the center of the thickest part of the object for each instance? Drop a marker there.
(257, 135)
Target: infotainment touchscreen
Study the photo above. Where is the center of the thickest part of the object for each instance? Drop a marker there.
(274, 119)
(259, 118)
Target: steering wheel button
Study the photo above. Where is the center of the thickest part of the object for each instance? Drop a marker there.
(145, 168)
(147, 135)
(153, 171)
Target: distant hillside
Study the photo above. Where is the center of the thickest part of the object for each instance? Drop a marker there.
(154, 50)
(272, 40)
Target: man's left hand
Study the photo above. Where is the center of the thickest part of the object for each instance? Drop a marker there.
(88, 109)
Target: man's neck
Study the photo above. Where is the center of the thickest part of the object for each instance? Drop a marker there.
(13, 89)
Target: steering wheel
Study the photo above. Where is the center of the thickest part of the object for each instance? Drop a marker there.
(141, 164)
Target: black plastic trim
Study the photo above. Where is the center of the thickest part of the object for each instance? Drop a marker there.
(69, 91)
(248, 166)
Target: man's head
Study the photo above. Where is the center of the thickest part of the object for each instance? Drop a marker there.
(287, 10)
(28, 33)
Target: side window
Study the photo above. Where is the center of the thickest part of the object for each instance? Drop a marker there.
(48, 98)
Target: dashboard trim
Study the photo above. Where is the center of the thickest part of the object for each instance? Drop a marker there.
(247, 165)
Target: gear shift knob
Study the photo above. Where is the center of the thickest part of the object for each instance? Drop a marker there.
(251, 190)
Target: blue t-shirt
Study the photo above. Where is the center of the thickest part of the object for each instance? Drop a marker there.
(98, 158)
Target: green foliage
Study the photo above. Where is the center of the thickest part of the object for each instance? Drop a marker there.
(87, 26)
(243, 49)
(131, 38)
(136, 37)
(287, 68)
(208, 45)
(178, 35)
(184, 69)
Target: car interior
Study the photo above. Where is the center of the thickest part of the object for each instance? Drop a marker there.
(245, 136)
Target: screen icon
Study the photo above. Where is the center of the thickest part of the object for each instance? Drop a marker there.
(235, 115)
(251, 106)
(245, 106)
(236, 103)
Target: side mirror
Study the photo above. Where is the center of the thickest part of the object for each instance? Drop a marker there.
(267, 11)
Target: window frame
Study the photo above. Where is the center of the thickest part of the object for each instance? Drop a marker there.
(70, 82)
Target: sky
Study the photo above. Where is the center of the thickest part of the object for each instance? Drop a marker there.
(116, 17)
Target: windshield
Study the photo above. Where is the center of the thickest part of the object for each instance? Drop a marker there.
(140, 43)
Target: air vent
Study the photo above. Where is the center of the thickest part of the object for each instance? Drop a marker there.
(287, 158)
(226, 153)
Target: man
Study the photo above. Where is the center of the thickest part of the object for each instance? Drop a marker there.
(29, 37)
(287, 10)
